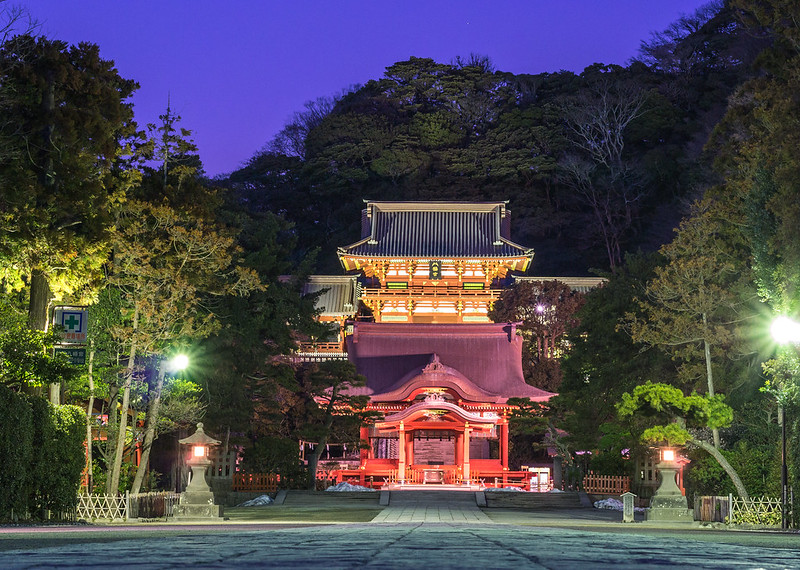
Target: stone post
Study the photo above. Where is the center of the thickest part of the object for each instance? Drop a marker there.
(627, 506)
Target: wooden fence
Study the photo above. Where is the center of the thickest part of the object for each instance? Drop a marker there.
(103, 507)
(759, 511)
(152, 505)
(606, 484)
(125, 507)
(266, 482)
(223, 466)
(712, 508)
(762, 511)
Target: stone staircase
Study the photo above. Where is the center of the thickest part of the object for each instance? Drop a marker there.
(508, 500)
(331, 499)
(435, 498)
(431, 498)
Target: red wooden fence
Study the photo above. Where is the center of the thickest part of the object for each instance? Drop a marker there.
(606, 484)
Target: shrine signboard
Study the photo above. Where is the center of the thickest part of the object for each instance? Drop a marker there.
(74, 321)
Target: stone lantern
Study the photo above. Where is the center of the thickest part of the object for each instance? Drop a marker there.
(668, 502)
(197, 501)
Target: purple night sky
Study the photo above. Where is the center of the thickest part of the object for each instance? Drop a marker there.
(236, 71)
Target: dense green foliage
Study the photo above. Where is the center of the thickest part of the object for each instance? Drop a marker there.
(464, 131)
(43, 455)
(66, 112)
(597, 166)
(602, 362)
(545, 311)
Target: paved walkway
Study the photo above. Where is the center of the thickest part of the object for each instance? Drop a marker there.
(432, 507)
(404, 545)
(397, 538)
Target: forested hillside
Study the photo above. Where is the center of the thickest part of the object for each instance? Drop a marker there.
(594, 165)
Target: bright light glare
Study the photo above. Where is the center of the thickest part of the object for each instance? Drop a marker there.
(668, 455)
(179, 362)
(199, 450)
(784, 330)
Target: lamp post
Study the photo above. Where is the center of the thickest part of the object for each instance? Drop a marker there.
(785, 331)
(174, 364)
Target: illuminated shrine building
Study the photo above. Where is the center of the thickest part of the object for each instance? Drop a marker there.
(443, 390)
(436, 366)
(434, 262)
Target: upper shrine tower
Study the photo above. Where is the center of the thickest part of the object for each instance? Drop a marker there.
(434, 262)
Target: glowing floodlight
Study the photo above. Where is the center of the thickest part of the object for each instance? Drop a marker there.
(178, 362)
(784, 330)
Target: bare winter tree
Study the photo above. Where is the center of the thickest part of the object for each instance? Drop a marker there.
(595, 167)
(291, 140)
(668, 51)
(15, 20)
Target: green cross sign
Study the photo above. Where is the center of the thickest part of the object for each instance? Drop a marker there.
(72, 322)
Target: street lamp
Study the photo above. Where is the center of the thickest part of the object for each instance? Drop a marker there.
(785, 331)
(174, 364)
(177, 362)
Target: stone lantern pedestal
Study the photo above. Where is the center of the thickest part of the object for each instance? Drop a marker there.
(197, 501)
(668, 504)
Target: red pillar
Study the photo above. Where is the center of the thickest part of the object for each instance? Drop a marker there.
(364, 454)
(466, 470)
(459, 454)
(401, 450)
(504, 443)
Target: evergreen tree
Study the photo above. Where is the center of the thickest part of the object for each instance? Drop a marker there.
(69, 113)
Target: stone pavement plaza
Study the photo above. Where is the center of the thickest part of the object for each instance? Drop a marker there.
(410, 534)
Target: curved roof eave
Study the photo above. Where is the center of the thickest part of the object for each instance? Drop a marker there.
(414, 410)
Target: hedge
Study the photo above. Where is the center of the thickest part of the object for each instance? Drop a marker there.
(43, 455)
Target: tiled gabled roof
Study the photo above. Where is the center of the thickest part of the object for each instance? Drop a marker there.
(579, 284)
(488, 355)
(340, 296)
(436, 230)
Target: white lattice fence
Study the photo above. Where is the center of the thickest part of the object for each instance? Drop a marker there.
(111, 507)
(760, 511)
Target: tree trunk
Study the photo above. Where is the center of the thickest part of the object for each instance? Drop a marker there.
(38, 309)
(112, 482)
(709, 373)
(89, 410)
(150, 428)
(313, 460)
(715, 453)
(39, 300)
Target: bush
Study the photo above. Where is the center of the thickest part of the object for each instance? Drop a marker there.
(275, 455)
(69, 428)
(43, 455)
(772, 518)
(755, 466)
(16, 441)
